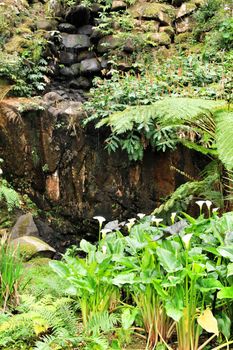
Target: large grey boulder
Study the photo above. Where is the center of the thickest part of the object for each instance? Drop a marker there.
(25, 226)
(91, 65)
(30, 246)
(75, 41)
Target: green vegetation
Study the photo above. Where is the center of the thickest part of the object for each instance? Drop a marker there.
(167, 284)
(156, 282)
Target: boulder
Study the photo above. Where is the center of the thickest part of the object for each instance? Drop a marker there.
(52, 97)
(186, 9)
(183, 38)
(75, 68)
(68, 57)
(147, 26)
(118, 5)
(78, 15)
(167, 29)
(67, 28)
(25, 226)
(149, 10)
(83, 55)
(107, 43)
(30, 246)
(91, 65)
(75, 41)
(71, 71)
(87, 29)
(186, 25)
(157, 39)
(96, 34)
(67, 72)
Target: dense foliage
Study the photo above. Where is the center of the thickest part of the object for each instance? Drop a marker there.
(170, 284)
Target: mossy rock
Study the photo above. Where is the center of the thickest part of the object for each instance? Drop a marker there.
(162, 12)
(38, 261)
(108, 43)
(157, 39)
(16, 44)
(30, 246)
(183, 38)
(186, 9)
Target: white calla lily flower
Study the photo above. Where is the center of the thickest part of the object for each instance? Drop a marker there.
(100, 219)
(104, 249)
(186, 239)
(140, 215)
(157, 221)
(173, 216)
(104, 232)
(208, 204)
(200, 204)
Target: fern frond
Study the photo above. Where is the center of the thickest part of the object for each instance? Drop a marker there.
(102, 322)
(224, 138)
(167, 111)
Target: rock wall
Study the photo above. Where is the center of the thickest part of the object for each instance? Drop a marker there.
(66, 170)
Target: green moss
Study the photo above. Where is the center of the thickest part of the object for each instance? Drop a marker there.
(16, 44)
(183, 38)
(152, 10)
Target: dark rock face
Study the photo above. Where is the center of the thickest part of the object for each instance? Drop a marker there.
(68, 57)
(80, 83)
(87, 29)
(78, 15)
(81, 180)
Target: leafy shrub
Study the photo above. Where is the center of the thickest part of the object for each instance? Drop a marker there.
(174, 275)
(27, 77)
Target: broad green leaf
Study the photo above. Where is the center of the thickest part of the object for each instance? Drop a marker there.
(174, 309)
(226, 252)
(128, 317)
(208, 322)
(208, 284)
(230, 270)
(127, 278)
(224, 325)
(226, 293)
(86, 246)
(169, 260)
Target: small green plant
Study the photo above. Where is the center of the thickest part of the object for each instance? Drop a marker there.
(89, 280)
(10, 273)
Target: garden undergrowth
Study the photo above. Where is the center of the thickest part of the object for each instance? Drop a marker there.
(164, 286)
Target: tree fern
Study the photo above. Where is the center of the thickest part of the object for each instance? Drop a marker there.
(163, 125)
(224, 138)
(166, 111)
